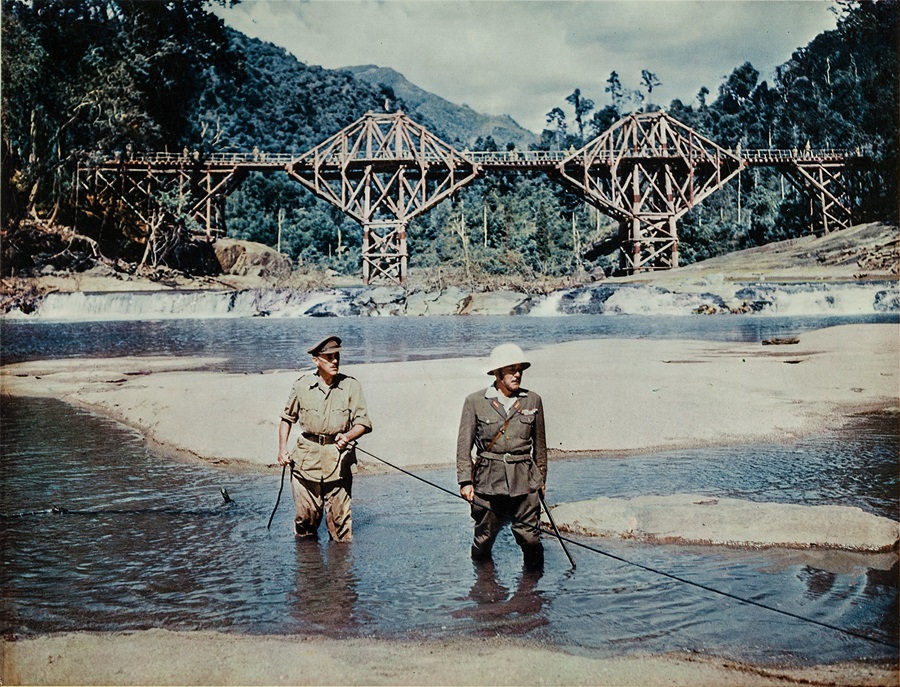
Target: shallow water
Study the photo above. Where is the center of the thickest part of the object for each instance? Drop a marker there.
(254, 344)
(144, 542)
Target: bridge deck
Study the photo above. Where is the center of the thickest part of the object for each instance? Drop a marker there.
(509, 160)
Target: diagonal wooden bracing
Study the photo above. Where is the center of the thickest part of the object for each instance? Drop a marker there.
(825, 187)
(647, 171)
(148, 191)
(209, 208)
(383, 170)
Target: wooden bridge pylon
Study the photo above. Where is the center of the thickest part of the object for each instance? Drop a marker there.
(646, 171)
(189, 187)
(383, 170)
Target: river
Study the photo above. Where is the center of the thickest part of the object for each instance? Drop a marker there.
(100, 534)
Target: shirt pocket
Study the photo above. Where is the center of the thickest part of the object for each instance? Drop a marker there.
(522, 427)
(338, 420)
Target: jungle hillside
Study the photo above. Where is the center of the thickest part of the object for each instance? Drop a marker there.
(84, 78)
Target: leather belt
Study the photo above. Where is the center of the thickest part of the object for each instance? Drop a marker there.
(506, 457)
(320, 439)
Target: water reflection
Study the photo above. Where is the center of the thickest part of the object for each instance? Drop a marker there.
(496, 611)
(324, 598)
(145, 542)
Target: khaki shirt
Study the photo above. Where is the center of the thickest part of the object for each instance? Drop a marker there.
(516, 462)
(324, 411)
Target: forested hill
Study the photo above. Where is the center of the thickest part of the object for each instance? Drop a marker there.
(461, 125)
(260, 96)
(117, 77)
(263, 97)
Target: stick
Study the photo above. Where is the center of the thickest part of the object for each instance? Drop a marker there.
(556, 529)
(278, 500)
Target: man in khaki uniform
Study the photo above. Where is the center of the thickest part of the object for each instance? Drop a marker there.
(331, 414)
(505, 426)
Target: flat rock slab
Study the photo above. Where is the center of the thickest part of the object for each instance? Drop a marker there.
(696, 519)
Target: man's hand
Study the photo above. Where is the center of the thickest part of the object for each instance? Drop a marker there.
(467, 491)
(342, 441)
(284, 458)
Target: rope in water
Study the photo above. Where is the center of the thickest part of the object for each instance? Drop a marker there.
(656, 571)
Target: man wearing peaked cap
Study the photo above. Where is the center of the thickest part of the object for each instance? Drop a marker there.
(331, 412)
(331, 344)
(501, 457)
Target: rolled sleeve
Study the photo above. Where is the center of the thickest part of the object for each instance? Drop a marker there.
(291, 410)
(359, 411)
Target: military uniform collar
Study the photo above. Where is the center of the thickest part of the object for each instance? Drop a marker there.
(314, 379)
(493, 392)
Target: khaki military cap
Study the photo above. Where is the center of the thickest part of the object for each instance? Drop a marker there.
(331, 344)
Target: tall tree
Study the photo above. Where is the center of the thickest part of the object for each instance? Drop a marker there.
(616, 91)
(582, 106)
(556, 118)
(649, 81)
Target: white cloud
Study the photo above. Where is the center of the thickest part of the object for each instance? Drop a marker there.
(523, 57)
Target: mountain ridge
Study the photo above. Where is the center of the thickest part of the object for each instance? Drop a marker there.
(460, 123)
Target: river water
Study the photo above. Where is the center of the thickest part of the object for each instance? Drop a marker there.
(100, 534)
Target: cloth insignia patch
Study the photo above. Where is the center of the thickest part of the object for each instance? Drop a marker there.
(529, 411)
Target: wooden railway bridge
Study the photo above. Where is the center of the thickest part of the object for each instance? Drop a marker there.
(646, 171)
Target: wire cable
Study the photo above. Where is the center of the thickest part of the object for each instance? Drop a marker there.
(656, 571)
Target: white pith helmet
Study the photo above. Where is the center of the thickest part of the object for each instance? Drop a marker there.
(506, 354)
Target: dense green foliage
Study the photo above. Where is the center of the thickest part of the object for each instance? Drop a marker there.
(113, 76)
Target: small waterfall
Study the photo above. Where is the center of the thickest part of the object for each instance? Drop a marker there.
(164, 305)
(845, 298)
(851, 298)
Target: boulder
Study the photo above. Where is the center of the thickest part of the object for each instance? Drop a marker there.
(446, 302)
(249, 259)
(496, 303)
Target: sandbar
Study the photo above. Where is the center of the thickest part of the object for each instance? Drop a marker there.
(606, 396)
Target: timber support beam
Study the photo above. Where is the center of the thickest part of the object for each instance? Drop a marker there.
(383, 170)
(647, 171)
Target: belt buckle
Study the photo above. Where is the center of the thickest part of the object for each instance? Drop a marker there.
(505, 456)
(321, 438)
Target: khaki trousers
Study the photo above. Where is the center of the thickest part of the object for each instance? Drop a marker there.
(312, 499)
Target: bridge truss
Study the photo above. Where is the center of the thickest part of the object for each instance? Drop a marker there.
(383, 170)
(646, 171)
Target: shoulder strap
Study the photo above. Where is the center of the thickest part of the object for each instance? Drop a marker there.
(515, 409)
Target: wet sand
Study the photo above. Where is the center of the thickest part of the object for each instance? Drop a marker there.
(159, 657)
(604, 397)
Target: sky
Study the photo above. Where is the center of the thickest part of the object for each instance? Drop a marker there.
(524, 57)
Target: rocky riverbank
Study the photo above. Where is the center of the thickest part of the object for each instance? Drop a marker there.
(735, 283)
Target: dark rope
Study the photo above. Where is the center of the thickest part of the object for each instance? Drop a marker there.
(277, 500)
(655, 571)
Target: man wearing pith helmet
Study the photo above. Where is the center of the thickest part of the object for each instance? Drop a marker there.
(501, 457)
(330, 410)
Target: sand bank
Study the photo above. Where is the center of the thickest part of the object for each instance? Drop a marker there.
(607, 395)
(697, 519)
(161, 657)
